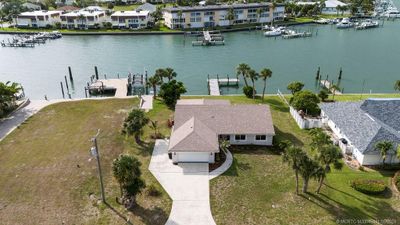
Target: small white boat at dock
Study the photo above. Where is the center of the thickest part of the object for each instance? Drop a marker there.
(344, 24)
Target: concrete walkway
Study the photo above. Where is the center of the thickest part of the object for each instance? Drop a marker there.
(188, 186)
(146, 102)
(8, 124)
(224, 167)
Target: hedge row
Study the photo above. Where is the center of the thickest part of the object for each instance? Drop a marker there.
(372, 187)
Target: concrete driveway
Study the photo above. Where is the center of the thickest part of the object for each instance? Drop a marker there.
(187, 185)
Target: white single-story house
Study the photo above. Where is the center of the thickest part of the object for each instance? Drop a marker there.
(200, 124)
(331, 7)
(360, 125)
(37, 19)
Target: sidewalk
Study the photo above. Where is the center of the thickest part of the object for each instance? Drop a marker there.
(7, 125)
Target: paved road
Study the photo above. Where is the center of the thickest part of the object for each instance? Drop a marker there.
(7, 125)
(188, 186)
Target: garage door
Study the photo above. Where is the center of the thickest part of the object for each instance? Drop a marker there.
(193, 156)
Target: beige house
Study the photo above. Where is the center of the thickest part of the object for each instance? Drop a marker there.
(199, 124)
(218, 15)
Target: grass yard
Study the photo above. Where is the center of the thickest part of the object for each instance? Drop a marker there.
(46, 176)
(260, 189)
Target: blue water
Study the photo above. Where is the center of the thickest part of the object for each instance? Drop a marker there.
(370, 55)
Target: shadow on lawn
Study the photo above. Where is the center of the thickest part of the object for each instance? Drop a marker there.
(151, 216)
(380, 211)
(280, 136)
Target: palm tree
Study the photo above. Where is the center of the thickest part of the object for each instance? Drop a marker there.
(224, 145)
(154, 126)
(334, 88)
(161, 73)
(243, 70)
(265, 74)
(253, 75)
(81, 18)
(126, 170)
(384, 147)
(273, 7)
(153, 82)
(134, 123)
(319, 138)
(328, 155)
(231, 15)
(293, 156)
(170, 73)
(397, 85)
(180, 13)
(259, 11)
(308, 169)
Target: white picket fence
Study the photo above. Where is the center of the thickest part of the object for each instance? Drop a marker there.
(303, 123)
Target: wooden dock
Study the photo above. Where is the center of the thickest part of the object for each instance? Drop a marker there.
(327, 84)
(215, 84)
(103, 85)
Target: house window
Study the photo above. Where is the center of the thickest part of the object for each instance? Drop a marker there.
(240, 137)
(261, 137)
(224, 137)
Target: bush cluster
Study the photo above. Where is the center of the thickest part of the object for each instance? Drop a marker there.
(372, 187)
(248, 91)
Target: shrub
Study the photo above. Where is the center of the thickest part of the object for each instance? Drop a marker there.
(372, 187)
(152, 190)
(397, 181)
(248, 91)
(307, 102)
(323, 95)
(361, 168)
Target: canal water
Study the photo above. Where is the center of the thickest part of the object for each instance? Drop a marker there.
(369, 58)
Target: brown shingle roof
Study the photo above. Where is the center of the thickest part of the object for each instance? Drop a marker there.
(228, 119)
(198, 122)
(193, 136)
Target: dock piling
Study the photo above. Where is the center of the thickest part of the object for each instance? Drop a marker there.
(66, 83)
(62, 90)
(70, 74)
(96, 72)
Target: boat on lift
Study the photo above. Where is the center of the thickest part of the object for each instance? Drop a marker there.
(344, 24)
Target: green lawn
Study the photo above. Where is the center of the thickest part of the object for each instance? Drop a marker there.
(259, 188)
(46, 176)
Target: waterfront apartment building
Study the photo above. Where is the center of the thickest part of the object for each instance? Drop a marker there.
(131, 19)
(222, 15)
(87, 18)
(38, 19)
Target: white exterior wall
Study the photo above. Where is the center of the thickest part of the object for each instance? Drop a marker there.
(27, 22)
(250, 140)
(305, 123)
(193, 157)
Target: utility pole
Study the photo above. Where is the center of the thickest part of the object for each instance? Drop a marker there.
(95, 152)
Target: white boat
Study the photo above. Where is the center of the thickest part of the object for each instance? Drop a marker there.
(345, 23)
(274, 32)
(367, 24)
(392, 13)
(322, 21)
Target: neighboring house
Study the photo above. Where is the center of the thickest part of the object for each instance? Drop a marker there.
(38, 19)
(90, 17)
(31, 6)
(331, 7)
(199, 124)
(218, 15)
(147, 7)
(67, 8)
(65, 2)
(360, 125)
(131, 19)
